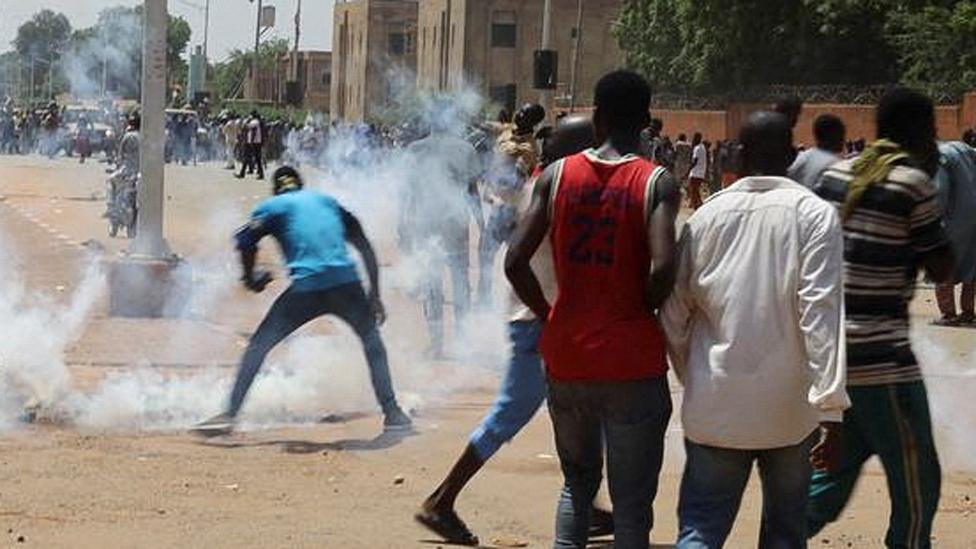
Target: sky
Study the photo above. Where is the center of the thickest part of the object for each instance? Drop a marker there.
(231, 21)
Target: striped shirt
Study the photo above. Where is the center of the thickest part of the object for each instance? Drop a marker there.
(894, 225)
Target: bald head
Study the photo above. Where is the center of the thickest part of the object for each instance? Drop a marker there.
(574, 133)
(767, 144)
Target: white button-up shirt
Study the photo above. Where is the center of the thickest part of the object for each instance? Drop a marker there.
(755, 323)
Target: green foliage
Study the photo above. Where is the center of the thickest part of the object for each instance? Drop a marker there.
(229, 75)
(936, 44)
(728, 47)
(43, 35)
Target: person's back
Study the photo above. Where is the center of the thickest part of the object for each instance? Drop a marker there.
(883, 240)
(746, 247)
(600, 327)
(810, 165)
(309, 227)
(446, 167)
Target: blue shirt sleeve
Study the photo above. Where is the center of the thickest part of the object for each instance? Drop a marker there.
(262, 224)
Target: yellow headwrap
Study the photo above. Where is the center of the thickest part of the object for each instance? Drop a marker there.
(873, 166)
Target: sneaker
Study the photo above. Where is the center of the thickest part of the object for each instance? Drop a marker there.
(216, 426)
(397, 420)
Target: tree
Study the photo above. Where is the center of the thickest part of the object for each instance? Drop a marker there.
(229, 75)
(110, 53)
(45, 34)
(936, 44)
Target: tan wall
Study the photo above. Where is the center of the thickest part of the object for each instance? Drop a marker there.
(362, 61)
(472, 60)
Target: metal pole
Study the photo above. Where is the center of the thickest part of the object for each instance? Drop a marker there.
(298, 34)
(254, 60)
(206, 39)
(545, 98)
(149, 240)
(577, 53)
(30, 96)
(50, 79)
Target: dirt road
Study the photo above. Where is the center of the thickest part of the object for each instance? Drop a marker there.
(143, 483)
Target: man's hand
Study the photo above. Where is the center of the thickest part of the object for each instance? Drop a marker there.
(257, 281)
(379, 310)
(828, 454)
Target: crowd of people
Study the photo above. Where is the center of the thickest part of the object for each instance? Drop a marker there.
(782, 308)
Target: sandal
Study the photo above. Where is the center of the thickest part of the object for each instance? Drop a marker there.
(448, 525)
(947, 321)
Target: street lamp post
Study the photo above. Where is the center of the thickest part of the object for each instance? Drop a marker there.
(149, 237)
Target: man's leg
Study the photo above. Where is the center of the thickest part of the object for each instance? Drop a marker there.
(785, 474)
(831, 491)
(349, 303)
(945, 296)
(635, 420)
(579, 443)
(519, 398)
(459, 263)
(433, 306)
(288, 313)
(902, 432)
(968, 301)
(711, 493)
(259, 160)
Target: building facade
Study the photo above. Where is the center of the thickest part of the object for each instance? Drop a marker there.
(313, 77)
(490, 45)
(374, 54)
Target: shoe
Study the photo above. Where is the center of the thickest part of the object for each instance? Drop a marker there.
(238, 176)
(397, 420)
(216, 426)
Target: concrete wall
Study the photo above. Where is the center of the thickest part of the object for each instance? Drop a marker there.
(362, 62)
(471, 60)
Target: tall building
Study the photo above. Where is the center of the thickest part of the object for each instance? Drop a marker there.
(490, 45)
(373, 54)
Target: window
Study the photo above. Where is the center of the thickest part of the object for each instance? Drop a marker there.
(504, 95)
(327, 78)
(398, 43)
(503, 35)
(504, 31)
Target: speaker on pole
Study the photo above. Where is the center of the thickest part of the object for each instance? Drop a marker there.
(293, 93)
(546, 73)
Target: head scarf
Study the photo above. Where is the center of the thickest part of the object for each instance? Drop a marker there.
(871, 167)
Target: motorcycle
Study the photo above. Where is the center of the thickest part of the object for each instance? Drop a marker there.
(121, 203)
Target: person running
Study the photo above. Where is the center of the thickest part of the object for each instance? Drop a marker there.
(610, 217)
(755, 302)
(699, 171)
(438, 207)
(829, 131)
(956, 182)
(893, 227)
(312, 229)
(524, 387)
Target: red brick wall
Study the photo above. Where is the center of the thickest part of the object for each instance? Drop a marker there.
(952, 120)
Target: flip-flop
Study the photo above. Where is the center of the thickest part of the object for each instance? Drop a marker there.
(601, 523)
(448, 526)
(947, 322)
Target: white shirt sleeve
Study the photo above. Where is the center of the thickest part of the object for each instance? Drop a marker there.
(677, 314)
(821, 308)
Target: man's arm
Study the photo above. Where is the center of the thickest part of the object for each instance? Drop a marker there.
(528, 236)
(661, 237)
(677, 314)
(929, 238)
(821, 307)
(356, 237)
(247, 238)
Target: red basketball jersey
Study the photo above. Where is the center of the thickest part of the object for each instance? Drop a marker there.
(600, 328)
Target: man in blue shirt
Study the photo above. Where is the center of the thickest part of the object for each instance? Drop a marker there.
(312, 229)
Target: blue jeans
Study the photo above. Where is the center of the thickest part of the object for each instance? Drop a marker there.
(712, 487)
(631, 419)
(521, 393)
(292, 310)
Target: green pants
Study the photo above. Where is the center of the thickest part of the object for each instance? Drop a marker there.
(892, 422)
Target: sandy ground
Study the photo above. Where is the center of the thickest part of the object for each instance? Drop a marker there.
(314, 485)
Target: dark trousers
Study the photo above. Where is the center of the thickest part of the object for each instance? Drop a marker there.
(712, 488)
(631, 419)
(253, 160)
(893, 423)
(291, 311)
